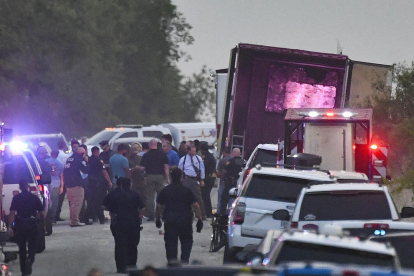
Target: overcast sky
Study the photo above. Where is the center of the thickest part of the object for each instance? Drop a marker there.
(371, 31)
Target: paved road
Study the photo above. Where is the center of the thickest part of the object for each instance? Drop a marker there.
(74, 251)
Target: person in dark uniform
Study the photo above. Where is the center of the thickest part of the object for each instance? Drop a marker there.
(25, 230)
(232, 169)
(178, 201)
(72, 179)
(98, 185)
(124, 206)
(210, 169)
(105, 155)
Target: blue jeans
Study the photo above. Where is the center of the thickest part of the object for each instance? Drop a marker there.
(220, 192)
(54, 197)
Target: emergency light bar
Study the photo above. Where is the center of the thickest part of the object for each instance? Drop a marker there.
(314, 114)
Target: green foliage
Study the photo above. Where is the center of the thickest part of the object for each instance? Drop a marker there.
(394, 122)
(77, 66)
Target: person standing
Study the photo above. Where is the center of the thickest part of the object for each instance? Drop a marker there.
(182, 150)
(233, 167)
(221, 173)
(168, 138)
(210, 169)
(172, 155)
(145, 148)
(178, 201)
(26, 205)
(192, 167)
(119, 163)
(74, 145)
(56, 183)
(137, 175)
(124, 206)
(62, 154)
(72, 179)
(99, 183)
(105, 155)
(155, 164)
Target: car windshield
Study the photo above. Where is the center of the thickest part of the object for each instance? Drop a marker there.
(274, 187)
(403, 245)
(298, 251)
(345, 205)
(101, 136)
(15, 169)
(266, 158)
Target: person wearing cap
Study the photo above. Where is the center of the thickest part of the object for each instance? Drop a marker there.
(210, 169)
(72, 179)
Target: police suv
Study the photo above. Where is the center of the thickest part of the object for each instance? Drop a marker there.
(264, 191)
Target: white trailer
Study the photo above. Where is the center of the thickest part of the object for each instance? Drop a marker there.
(206, 132)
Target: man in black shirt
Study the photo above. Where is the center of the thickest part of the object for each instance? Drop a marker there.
(210, 169)
(26, 205)
(124, 206)
(178, 202)
(98, 184)
(155, 164)
(72, 179)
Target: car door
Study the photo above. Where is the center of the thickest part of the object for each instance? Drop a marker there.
(265, 194)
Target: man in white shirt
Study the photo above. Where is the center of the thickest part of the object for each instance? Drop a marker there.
(192, 167)
(62, 157)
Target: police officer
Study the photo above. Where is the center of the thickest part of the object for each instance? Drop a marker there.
(99, 182)
(26, 205)
(232, 169)
(124, 206)
(177, 202)
(210, 169)
(105, 155)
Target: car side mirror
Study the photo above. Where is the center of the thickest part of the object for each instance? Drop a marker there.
(281, 214)
(233, 192)
(407, 212)
(45, 178)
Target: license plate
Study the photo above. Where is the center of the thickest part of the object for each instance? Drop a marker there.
(284, 224)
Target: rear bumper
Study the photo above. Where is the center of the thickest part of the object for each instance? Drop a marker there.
(235, 238)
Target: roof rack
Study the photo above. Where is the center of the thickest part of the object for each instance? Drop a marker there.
(129, 126)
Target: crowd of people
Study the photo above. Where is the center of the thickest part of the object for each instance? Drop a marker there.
(153, 181)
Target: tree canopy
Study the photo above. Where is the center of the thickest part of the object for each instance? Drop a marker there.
(77, 66)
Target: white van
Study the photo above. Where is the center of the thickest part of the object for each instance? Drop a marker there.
(204, 132)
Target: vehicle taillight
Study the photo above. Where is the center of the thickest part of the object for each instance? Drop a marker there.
(350, 273)
(239, 212)
(311, 227)
(294, 225)
(246, 174)
(4, 267)
(41, 188)
(37, 177)
(376, 225)
(374, 147)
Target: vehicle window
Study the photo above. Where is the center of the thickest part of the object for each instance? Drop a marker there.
(272, 187)
(53, 141)
(101, 136)
(152, 133)
(345, 205)
(266, 158)
(32, 162)
(16, 169)
(129, 134)
(297, 251)
(403, 246)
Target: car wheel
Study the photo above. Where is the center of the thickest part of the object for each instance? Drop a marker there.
(230, 255)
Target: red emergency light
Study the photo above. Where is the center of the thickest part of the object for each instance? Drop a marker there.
(330, 114)
(374, 147)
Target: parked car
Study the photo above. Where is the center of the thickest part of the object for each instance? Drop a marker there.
(356, 208)
(265, 191)
(297, 246)
(17, 164)
(125, 131)
(50, 139)
(114, 144)
(264, 155)
(403, 243)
